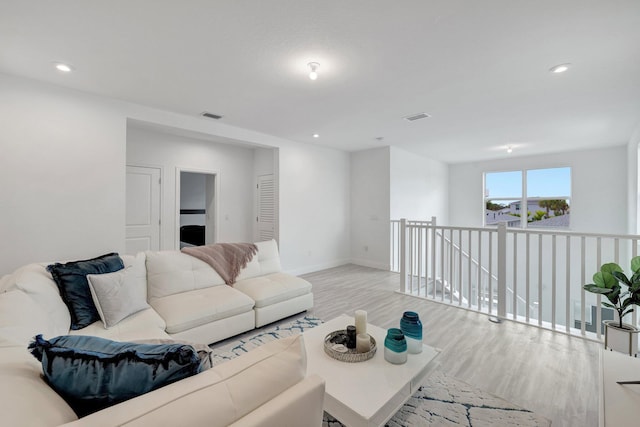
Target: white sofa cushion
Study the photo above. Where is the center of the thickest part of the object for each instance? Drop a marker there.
(273, 288)
(188, 310)
(266, 261)
(218, 396)
(36, 281)
(21, 318)
(145, 324)
(172, 272)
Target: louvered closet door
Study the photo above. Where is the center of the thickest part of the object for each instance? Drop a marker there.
(266, 207)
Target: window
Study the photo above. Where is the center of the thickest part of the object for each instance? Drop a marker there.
(546, 193)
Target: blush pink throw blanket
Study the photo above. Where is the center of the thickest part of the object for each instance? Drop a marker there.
(227, 259)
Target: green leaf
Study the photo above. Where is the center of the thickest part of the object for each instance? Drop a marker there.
(604, 279)
(627, 312)
(597, 289)
(606, 304)
(614, 296)
(610, 268)
(621, 277)
(635, 264)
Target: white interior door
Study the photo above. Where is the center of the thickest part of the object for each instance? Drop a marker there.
(266, 208)
(142, 210)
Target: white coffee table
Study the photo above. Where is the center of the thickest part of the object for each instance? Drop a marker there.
(365, 393)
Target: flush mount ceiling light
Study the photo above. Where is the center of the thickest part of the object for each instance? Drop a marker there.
(315, 135)
(313, 66)
(62, 67)
(560, 68)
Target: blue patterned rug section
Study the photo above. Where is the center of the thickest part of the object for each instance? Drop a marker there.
(441, 401)
(229, 349)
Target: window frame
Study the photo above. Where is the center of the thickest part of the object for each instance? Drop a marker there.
(523, 199)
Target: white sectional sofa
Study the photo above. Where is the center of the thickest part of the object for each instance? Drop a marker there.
(197, 305)
(188, 301)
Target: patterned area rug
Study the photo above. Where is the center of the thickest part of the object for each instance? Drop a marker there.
(441, 401)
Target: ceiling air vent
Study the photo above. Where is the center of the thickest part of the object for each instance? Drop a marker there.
(417, 116)
(210, 115)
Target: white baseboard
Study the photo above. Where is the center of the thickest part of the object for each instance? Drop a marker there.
(369, 263)
(318, 267)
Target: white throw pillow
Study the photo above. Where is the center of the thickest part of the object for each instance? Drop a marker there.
(117, 295)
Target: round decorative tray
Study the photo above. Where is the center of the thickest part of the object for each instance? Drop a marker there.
(347, 354)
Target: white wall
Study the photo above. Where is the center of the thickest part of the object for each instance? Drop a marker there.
(62, 170)
(314, 207)
(598, 187)
(419, 187)
(633, 181)
(234, 171)
(370, 213)
(62, 174)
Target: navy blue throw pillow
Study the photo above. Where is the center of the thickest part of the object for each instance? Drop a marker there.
(71, 279)
(92, 373)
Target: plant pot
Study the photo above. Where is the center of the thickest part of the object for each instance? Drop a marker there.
(624, 340)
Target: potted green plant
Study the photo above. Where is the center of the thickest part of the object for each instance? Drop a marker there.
(623, 293)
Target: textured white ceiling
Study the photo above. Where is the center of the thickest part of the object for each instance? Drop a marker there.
(480, 68)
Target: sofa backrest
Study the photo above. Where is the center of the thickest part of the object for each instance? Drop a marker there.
(172, 272)
(35, 281)
(266, 261)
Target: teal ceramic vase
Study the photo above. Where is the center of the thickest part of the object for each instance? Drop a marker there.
(411, 327)
(395, 347)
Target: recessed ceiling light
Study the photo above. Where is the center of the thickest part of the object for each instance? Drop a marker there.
(560, 68)
(62, 67)
(509, 149)
(315, 135)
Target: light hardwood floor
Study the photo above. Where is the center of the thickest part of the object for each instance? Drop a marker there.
(547, 372)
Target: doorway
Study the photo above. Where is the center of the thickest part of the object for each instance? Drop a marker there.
(196, 194)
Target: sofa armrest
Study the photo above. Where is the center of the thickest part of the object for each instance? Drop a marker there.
(300, 405)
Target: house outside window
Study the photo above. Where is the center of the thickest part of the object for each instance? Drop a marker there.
(546, 193)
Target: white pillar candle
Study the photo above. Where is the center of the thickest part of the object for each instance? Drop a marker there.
(361, 322)
(363, 343)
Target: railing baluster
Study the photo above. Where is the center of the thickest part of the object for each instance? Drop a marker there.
(489, 275)
(567, 284)
(433, 258)
(442, 269)
(469, 272)
(515, 276)
(634, 253)
(539, 279)
(419, 259)
(451, 279)
(479, 283)
(459, 267)
(528, 277)
(599, 299)
(583, 293)
(553, 282)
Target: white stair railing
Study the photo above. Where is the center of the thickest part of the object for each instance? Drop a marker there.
(530, 276)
